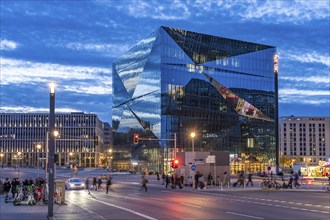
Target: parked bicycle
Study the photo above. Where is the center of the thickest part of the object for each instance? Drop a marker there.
(327, 186)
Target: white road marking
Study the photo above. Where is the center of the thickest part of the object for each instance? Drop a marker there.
(123, 208)
(157, 199)
(191, 205)
(87, 210)
(249, 216)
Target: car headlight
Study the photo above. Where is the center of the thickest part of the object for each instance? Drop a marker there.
(71, 185)
(82, 184)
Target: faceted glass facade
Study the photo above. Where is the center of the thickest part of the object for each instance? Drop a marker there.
(177, 81)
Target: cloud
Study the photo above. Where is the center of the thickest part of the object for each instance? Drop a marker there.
(310, 79)
(112, 50)
(80, 78)
(162, 10)
(266, 11)
(30, 109)
(301, 96)
(7, 45)
(285, 11)
(308, 57)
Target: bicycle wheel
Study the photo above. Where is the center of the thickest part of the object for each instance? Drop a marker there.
(327, 188)
(277, 185)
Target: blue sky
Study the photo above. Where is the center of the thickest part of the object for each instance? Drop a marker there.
(75, 42)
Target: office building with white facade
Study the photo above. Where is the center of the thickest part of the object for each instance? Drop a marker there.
(24, 139)
(305, 139)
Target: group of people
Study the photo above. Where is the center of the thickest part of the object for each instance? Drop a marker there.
(14, 185)
(97, 184)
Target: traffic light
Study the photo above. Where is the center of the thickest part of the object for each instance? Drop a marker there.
(136, 139)
(176, 163)
(172, 163)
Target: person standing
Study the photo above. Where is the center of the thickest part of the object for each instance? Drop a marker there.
(168, 180)
(144, 182)
(164, 178)
(225, 180)
(249, 180)
(6, 187)
(108, 185)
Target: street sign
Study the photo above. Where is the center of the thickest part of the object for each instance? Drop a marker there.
(193, 167)
(210, 159)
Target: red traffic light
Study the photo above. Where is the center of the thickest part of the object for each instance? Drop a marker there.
(136, 139)
(175, 163)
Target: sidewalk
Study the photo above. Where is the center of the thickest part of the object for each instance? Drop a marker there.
(66, 211)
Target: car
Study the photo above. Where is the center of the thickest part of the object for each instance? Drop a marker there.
(74, 183)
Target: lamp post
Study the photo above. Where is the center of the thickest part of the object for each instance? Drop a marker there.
(51, 145)
(1, 156)
(192, 135)
(38, 148)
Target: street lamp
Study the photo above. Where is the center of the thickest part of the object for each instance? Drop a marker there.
(51, 145)
(1, 156)
(192, 135)
(38, 148)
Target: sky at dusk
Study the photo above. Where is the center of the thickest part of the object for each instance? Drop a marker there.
(74, 43)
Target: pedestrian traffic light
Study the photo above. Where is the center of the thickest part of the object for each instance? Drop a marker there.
(136, 139)
(176, 163)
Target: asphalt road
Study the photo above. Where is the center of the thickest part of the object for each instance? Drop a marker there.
(126, 201)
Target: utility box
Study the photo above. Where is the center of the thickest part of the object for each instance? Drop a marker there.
(214, 163)
(60, 189)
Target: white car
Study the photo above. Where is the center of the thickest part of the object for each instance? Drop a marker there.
(74, 183)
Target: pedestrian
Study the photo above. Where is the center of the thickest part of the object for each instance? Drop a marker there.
(210, 179)
(87, 184)
(108, 184)
(164, 179)
(6, 187)
(94, 183)
(296, 180)
(144, 182)
(1, 187)
(201, 181)
(99, 182)
(225, 180)
(197, 175)
(168, 180)
(157, 174)
(249, 180)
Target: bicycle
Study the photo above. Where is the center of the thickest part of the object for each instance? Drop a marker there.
(327, 186)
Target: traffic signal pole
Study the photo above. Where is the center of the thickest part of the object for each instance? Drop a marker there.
(161, 139)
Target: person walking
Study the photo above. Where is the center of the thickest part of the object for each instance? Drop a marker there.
(94, 183)
(99, 182)
(144, 182)
(249, 180)
(87, 185)
(108, 185)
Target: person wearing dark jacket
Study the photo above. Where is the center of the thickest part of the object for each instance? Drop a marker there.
(108, 185)
(6, 187)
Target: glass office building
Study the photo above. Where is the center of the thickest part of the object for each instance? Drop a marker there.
(178, 82)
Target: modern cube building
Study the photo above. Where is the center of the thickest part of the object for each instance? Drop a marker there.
(178, 82)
